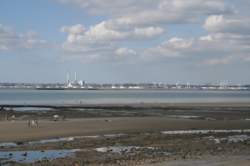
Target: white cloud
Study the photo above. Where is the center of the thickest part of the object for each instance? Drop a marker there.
(124, 52)
(218, 23)
(214, 22)
(10, 40)
(174, 47)
(178, 43)
(114, 7)
(103, 38)
(206, 38)
(102, 31)
(75, 29)
(148, 32)
(216, 48)
(91, 44)
(131, 21)
(196, 6)
(231, 35)
(153, 11)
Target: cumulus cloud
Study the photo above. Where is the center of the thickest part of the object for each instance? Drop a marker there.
(174, 47)
(74, 32)
(103, 31)
(114, 7)
(218, 23)
(216, 48)
(148, 31)
(178, 43)
(75, 29)
(103, 38)
(10, 40)
(131, 21)
(153, 11)
(124, 52)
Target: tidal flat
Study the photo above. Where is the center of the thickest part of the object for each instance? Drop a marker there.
(136, 135)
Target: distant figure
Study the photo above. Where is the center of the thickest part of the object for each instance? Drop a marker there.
(29, 123)
(33, 123)
(107, 120)
(36, 123)
(13, 118)
(2, 109)
(55, 117)
(6, 116)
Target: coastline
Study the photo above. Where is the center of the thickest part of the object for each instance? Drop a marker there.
(136, 105)
(136, 134)
(85, 119)
(18, 130)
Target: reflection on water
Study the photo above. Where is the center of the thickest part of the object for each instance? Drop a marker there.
(180, 132)
(32, 156)
(8, 144)
(60, 139)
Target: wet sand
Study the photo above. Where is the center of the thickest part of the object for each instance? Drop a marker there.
(141, 125)
(209, 161)
(141, 105)
(19, 130)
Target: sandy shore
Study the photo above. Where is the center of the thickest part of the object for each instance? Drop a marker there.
(19, 130)
(140, 125)
(209, 161)
(135, 105)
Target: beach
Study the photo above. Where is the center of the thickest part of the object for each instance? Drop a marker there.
(19, 130)
(128, 134)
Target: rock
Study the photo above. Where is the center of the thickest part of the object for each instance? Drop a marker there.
(25, 154)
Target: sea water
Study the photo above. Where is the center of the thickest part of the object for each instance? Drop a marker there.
(14, 96)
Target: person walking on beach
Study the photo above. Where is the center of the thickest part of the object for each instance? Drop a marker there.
(36, 123)
(29, 123)
(33, 123)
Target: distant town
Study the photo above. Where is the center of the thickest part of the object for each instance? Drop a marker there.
(82, 85)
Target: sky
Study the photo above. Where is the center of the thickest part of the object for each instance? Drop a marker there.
(114, 41)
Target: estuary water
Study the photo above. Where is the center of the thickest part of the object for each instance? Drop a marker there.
(14, 96)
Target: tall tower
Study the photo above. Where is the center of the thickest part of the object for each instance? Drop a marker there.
(75, 77)
(68, 79)
(188, 85)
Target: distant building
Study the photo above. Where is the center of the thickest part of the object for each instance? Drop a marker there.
(75, 83)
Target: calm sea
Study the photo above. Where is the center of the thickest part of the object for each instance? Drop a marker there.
(8, 96)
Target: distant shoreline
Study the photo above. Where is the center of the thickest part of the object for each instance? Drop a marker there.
(122, 89)
(135, 105)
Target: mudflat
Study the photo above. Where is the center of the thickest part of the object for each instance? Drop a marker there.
(19, 130)
(128, 134)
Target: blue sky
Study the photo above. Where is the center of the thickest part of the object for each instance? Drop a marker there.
(169, 41)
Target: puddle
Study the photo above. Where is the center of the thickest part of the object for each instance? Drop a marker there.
(114, 135)
(184, 116)
(131, 150)
(230, 139)
(32, 156)
(33, 109)
(66, 139)
(178, 132)
(117, 149)
(62, 139)
(8, 144)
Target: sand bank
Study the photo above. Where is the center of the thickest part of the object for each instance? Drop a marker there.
(19, 130)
